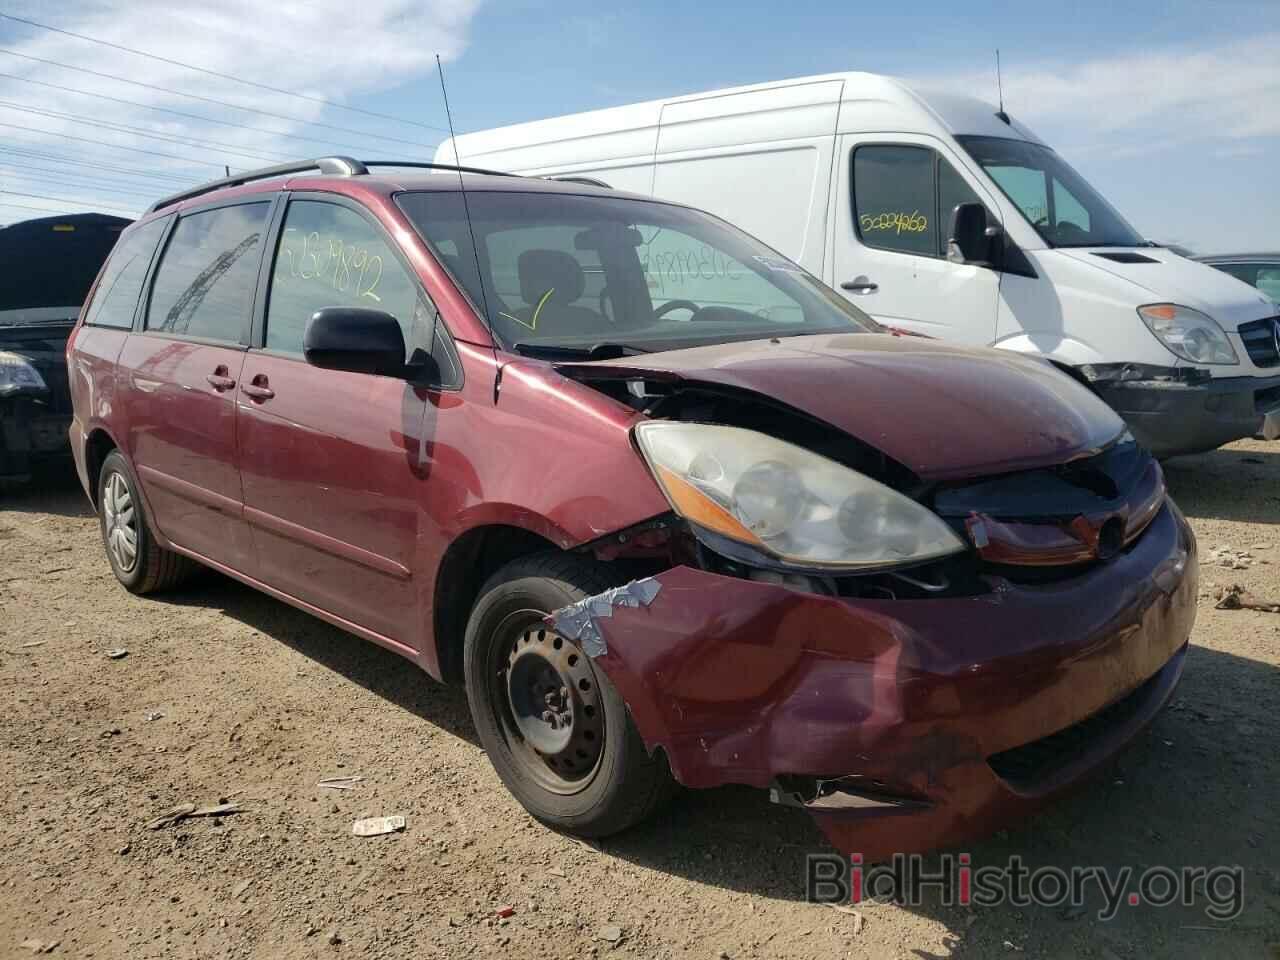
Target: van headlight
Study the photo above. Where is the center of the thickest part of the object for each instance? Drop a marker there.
(791, 504)
(1189, 333)
(17, 374)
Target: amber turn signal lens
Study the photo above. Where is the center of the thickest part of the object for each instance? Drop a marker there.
(692, 504)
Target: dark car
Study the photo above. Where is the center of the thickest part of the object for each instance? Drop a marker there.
(1261, 270)
(669, 508)
(46, 269)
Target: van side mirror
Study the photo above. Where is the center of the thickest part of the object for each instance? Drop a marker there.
(355, 339)
(971, 238)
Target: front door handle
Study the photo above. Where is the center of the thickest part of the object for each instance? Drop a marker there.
(259, 388)
(860, 284)
(220, 379)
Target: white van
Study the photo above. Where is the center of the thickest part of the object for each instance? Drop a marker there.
(858, 178)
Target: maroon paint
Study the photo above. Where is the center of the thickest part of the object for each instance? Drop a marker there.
(341, 494)
(944, 411)
(1072, 541)
(740, 682)
(181, 440)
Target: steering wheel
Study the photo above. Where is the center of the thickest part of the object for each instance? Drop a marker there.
(670, 305)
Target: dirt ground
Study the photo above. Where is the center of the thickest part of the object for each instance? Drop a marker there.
(226, 693)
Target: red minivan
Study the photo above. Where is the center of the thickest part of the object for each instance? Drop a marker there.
(670, 509)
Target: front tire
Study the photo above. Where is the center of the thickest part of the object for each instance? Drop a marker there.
(557, 732)
(139, 563)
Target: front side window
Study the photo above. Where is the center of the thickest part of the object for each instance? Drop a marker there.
(116, 299)
(894, 198)
(205, 282)
(904, 198)
(574, 272)
(1056, 200)
(331, 256)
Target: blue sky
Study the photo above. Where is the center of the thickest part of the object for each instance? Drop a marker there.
(1170, 109)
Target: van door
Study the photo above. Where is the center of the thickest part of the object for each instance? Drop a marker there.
(332, 460)
(178, 378)
(893, 212)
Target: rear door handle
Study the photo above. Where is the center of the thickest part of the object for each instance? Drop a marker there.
(220, 380)
(258, 388)
(861, 284)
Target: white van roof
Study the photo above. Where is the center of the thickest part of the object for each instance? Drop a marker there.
(858, 103)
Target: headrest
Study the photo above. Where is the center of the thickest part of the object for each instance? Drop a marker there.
(543, 270)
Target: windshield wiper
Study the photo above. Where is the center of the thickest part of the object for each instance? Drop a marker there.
(598, 351)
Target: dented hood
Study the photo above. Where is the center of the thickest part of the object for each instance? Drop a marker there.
(945, 412)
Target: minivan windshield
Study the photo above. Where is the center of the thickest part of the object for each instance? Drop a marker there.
(1056, 200)
(566, 272)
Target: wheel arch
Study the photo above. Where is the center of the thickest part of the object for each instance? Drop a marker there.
(468, 563)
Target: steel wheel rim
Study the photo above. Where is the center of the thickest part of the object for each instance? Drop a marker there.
(120, 522)
(557, 742)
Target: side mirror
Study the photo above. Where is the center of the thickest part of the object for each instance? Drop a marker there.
(355, 339)
(971, 238)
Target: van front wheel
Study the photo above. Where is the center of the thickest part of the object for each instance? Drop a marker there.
(557, 732)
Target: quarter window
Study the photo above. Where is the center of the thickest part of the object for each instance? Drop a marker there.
(117, 297)
(331, 256)
(205, 283)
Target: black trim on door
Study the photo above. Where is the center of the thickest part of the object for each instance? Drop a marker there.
(144, 302)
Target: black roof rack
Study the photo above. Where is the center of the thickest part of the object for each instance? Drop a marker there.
(333, 166)
(419, 165)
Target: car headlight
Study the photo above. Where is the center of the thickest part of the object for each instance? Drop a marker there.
(787, 502)
(1189, 333)
(17, 373)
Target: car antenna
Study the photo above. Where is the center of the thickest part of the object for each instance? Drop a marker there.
(1000, 90)
(462, 187)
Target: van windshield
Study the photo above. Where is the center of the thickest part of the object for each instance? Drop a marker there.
(1056, 200)
(572, 273)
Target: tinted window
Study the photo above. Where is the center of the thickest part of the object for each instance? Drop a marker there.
(331, 256)
(953, 190)
(894, 198)
(117, 295)
(1268, 281)
(1264, 276)
(205, 283)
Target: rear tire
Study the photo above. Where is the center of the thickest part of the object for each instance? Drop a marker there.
(557, 732)
(140, 564)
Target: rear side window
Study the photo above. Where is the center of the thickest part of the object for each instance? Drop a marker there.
(904, 197)
(205, 283)
(117, 295)
(331, 256)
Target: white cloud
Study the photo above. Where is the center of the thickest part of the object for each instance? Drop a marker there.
(336, 51)
(1175, 94)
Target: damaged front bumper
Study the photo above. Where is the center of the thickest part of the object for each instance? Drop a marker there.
(1175, 411)
(919, 722)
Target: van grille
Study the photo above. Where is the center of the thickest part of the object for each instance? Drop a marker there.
(1260, 341)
